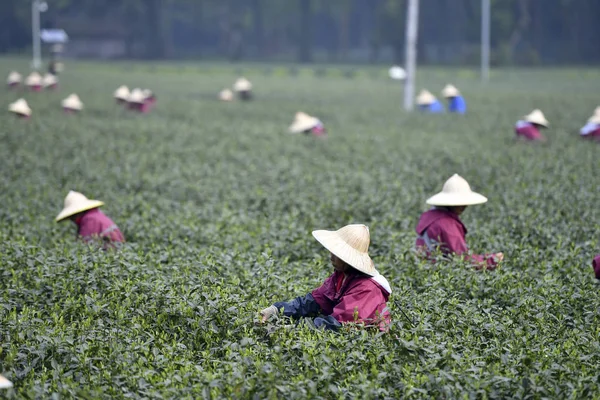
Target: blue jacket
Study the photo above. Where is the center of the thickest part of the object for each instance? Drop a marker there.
(436, 107)
(457, 105)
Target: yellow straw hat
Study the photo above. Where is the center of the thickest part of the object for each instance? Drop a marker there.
(20, 107)
(122, 93)
(350, 244)
(33, 79)
(456, 192)
(425, 98)
(75, 203)
(536, 117)
(303, 122)
(242, 85)
(72, 102)
(50, 80)
(136, 96)
(13, 77)
(226, 95)
(450, 91)
(5, 383)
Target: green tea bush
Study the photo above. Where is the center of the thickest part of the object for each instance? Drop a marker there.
(217, 202)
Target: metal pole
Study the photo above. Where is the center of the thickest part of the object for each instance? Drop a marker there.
(485, 40)
(412, 25)
(35, 34)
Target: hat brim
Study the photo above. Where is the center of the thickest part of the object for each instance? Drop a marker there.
(447, 199)
(301, 126)
(5, 383)
(357, 260)
(70, 211)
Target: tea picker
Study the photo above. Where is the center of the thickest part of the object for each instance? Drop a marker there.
(529, 127)
(307, 124)
(20, 109)
(428, 103)
(456, 102)
(13, 80)
(355, 292)
(243, 88)
(591, 130)
(440, 228)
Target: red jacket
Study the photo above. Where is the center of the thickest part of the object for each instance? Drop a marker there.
(341, 295)
(596, 265)
(443, 228)
(528, 131)
(95, 224)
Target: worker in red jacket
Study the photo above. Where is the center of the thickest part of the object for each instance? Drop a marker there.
(596, 265)
(92, 223)
(355, 292)
(440, 229)
(529, 127)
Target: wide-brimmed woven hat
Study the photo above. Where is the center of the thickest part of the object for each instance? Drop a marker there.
(136, 96)
(456, 192)
(13, 77)
(73, 102)
(75, 203)
(242, 85)
(147, 93)
(425, 98)
(536, 117)
(20, 107)
(226, 95)
(450, 91)
(33, 79)
(303, 122)
(5, 383)
(122, 93)
(350, 244)
(597, 111)
(49, 80)
(397, 73)
(595, 119)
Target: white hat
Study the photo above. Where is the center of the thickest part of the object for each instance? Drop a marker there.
(136, 96)
(75, 203)
(303, 122)
(242, 85)
(536, 117)
(33, 79)
(50, 80)
(72, 102)
(122, 93)
(350, 244)
(20, 107)
(456, 192)
(425, 98)
(397, 73)
(597, 111)
(5, 383)
(595, 119)
(450, 91)
(226, 95)
(147, 93)
(13, 77)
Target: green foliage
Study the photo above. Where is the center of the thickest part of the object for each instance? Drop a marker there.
(217, 202)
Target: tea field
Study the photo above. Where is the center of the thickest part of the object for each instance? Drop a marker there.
(217, 202)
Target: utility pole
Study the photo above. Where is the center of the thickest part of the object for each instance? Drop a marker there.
(412, 25)
(485, 40)
(37, 6)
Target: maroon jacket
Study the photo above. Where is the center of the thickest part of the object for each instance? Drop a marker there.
(443, 228)
(528, 131)
(343, 294)
(95, 224)
(596, 265)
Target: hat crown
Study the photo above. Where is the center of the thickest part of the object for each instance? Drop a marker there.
(356, 236)
(456, 184)
(74, 198)
(450, 91)
(536, 117)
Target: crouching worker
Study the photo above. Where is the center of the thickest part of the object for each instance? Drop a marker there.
(592, 129)
(440, 229)
(92, 224)
(307, 124)
(529, 127)
(355, 292)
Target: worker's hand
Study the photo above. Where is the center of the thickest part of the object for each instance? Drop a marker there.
(267, 312)
(499, 256)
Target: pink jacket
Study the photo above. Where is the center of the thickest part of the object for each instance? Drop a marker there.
(358, 294)
(596, 265)
(95, 224)
(528, 131)
(443, 228)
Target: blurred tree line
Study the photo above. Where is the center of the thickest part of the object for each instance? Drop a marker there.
(523, 31)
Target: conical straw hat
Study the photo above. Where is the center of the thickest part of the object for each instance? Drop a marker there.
(456, 192)
(397, 73)
(50, 80)
(226, 95)
(75, 203)
(425, 98)
(450, 91)
(72, 102)
(5, 383)
(536, 117)
(122, 93)
(595, 119)
(597, 111)
(242, 85)
(20, 107)
(136, 96)
(350, 244)
(33, 79)
(13, 77)
(302, 122)
(147, 93)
